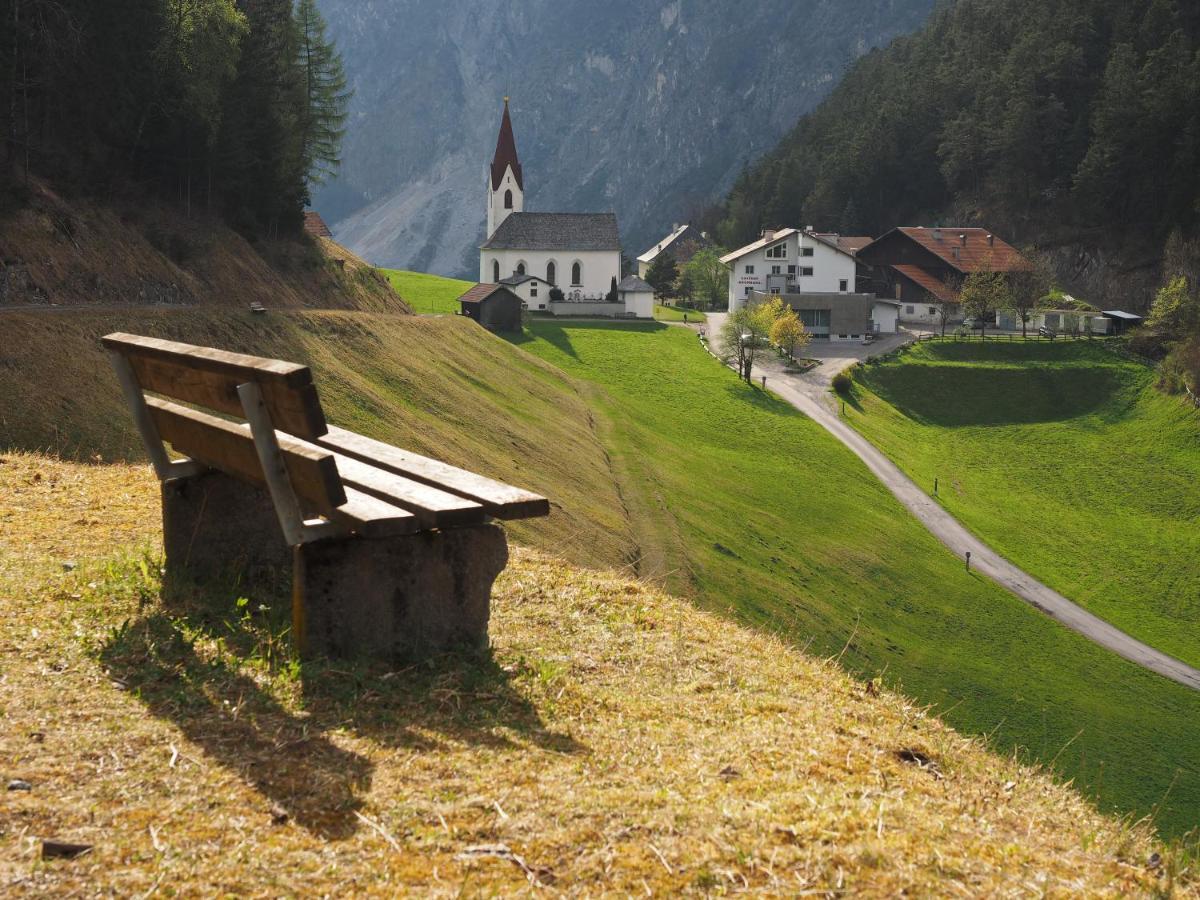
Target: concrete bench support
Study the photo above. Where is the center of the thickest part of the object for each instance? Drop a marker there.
(393, 598)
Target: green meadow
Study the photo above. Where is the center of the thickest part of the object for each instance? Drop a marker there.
(1063, 457)
(665, 313)
(428, 294)
(745, 505)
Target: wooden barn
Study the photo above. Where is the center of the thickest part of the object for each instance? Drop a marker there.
(494, 306)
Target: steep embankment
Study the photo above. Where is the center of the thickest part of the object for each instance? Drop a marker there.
(616, 740)
(1065, 459)
(443, 387)
(57, 251)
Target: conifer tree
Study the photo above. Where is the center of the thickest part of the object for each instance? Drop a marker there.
(323, 118)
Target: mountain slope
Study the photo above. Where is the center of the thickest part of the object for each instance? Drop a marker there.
(650, 110)
(1073, 124)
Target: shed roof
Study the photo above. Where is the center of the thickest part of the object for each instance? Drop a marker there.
(315, 225)
(556, 231)
(1121, 314)
(481, 292)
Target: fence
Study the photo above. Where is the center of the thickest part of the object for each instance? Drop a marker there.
(958, 336)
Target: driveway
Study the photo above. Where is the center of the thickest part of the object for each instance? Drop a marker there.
(810, 394)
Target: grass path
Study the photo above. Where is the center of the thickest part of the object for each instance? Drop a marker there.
(784, 529)
(1066, 460)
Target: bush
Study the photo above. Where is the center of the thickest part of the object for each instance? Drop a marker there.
(842, 382)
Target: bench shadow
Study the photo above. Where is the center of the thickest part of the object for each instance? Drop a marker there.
(228, 702)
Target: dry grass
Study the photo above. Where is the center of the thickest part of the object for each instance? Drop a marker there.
(616, 740)
(77, 252)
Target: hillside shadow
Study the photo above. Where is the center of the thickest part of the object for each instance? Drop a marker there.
(554, 331)
(227, 703)
(958, 396)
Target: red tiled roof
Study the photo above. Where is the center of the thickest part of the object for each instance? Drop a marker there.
(315, 225)
(930, 282)
(506, 153)
(974, 252)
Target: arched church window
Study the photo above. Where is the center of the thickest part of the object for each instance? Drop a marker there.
(552, 272)
(495, 270)
(508, 199)
(577, 273)
(521, 267)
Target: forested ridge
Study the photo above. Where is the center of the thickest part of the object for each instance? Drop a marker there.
(233, 108)
(1055, 122)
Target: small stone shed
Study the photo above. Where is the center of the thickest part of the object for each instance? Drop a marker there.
(493, 306)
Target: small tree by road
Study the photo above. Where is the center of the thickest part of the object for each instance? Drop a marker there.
(745, 332)
(788, 333)
(1028, 287)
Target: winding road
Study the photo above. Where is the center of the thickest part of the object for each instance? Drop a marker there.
(809, 393)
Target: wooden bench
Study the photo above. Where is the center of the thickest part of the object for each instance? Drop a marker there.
(389, 553)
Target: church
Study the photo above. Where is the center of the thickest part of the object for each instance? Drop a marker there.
(532, 252)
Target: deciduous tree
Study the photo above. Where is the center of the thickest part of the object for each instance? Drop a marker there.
(708, 277)
(788, 333)
(662, 275)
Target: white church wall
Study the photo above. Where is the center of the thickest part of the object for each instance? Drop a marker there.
(599, 267)
(497, 212)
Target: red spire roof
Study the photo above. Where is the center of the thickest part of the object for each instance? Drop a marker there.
(506, 153)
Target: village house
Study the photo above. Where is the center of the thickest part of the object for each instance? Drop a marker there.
(923, 268)
(494, 306)
(791, 261)
(684, 242)
(534, 252)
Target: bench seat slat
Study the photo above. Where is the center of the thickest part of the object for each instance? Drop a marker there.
(209, 378)
(313, 472)
(433, 507)
(500, 500)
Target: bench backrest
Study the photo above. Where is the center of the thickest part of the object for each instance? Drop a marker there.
(208, 377)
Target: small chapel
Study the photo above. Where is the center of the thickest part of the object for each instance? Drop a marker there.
(531, 253)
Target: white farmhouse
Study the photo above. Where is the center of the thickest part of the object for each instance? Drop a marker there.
(792, 261)
(579, 253)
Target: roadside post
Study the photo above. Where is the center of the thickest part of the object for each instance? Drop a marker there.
(935, 485)
(968, 560)
(764, 382)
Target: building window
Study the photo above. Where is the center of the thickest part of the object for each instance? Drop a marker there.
(749, 270)
(791, 270)
(843, 285)
(495, 270)
(908, 310)
(576, 274)
(748, 291)
(551, 272)
(933, 310)
(806, 251)
(508, 199)
(806, 271)
(541, 306)
(775, 270)
(533, 289)
(775, 291)
(779, 251)
(521, 267)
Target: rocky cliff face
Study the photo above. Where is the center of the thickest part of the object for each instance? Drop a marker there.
(649, 109)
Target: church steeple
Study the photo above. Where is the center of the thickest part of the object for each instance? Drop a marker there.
(506, 183)
(506, 153)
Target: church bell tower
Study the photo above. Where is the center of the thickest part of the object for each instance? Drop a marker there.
(506, 185)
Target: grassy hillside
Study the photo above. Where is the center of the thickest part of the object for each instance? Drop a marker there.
(443, 387)
(428, 293)
(614, 741)
(1065, 459)
(740, 501)
(675, 314)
